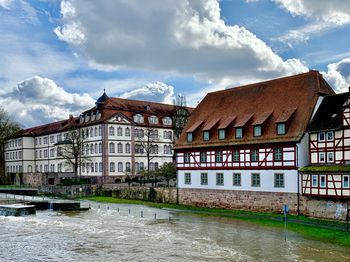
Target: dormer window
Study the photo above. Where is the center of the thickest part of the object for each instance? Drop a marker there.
(189, 137)
(281, 129)
(222, 134)
(138, 118)
(239, 132)
(321, 137)
(153, 120)
(206, 135)
(167, 121)
(257, 130)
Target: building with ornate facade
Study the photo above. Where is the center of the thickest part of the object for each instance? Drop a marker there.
(114, 135)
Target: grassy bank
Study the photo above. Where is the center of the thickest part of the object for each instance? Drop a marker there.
(317, 229)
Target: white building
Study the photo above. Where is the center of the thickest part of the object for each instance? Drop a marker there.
(114, 130)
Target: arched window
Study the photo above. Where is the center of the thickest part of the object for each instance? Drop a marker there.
(100, 131)
(111, 131)
(111, 148)
(127, 166)
(95, 131)
(87, 149)
(87, 132)
(127, 131)
(120, 167)
(119, 131)
(96, 167)
(138, 118)
(153, 120)
(156, 165)
(151, 166)
(100, 167)
(30, 169)
(127, 148)
(91, 148)
(82, 149)
(91, 132)
(120, 148)
(142, 166)
(96, 148)
(83, 167)
(100, 147)
(112, 167)
(137, 167)
(92, 167)
(83, 133)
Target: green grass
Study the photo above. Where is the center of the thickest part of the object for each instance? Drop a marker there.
(11, 186)
(334, 168)
(317, 230)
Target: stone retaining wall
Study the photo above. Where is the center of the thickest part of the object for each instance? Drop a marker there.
(263, 202)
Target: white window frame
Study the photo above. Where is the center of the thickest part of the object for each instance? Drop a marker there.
(252, 180)
(330, 139)
(325, 181)
(319, 137)
(324, 157)
(234, 180)
(343, 181)
(328, 157)
(275, 180)
(204, 179)
(187, 179)
(314, 178)
(220, 179)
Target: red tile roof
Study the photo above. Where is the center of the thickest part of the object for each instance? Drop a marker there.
(109, 108)
(278, 96)
(226, 122)
(261, 118)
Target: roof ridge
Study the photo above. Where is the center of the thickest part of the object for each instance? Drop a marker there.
(311, 72)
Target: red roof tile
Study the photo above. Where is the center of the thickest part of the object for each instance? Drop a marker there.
(299, 91)
(285, 115)
(224, 123)
(261, 118)
(209, 125)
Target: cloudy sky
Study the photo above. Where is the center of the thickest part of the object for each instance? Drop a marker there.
(57, 57)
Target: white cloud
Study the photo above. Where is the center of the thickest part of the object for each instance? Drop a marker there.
(156, 92)
(182, 37)
(323, 15)
(40, 100)
(338, 75)
(5, 4)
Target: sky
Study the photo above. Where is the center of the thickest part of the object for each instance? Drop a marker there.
(58, 57)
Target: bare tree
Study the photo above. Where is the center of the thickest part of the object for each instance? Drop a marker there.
(71, 149)
(180, 115)
(8, 128)
(146, 143)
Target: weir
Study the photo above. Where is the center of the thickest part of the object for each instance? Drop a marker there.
(17, 210)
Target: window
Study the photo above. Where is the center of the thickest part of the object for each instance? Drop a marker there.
(127, 131)
(142, 166)
(236, 155)
(314, 180)
(219, 179)
(45, 140)
(127, 167)
(255, 180)
(91, 135)
(279, 180)
(236, 179)
(111, 131)
(59, 151)
(52, 152)
(92, 148)
(330, 157)
(96, 167)
(239, 132)
(59, 167)
(111, 148)
(59, 138)
(127, 148)
(100, 147)
(281, 129)
(96, 148)
(346, 181)
(100, 131)
(153, 133)
(138, 118)
(167, 121)
(218, 156)
(277, 154)
(203, 157)
(204, 178)
(120, 148)
(322, 181)
(138, 149)
(189, 137)
(52, 139)
(321, 157)
(119, 131)
(254, 155)
(153, 120)
(222, 134)
(46, 153)
(330, 136)
(100, 167)
(257, 130)
(187, 158)
(321, 136)
(95, 131)
(52, 168)
(120, 167)
(188, 178)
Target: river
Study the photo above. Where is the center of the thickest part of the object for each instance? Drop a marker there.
(105, 233)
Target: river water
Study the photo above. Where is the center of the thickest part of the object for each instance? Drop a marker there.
(105, 233)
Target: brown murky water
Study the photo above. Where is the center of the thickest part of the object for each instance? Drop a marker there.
(103, 234)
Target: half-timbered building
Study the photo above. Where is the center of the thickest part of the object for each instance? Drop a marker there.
(242, 146)
(328, 174)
